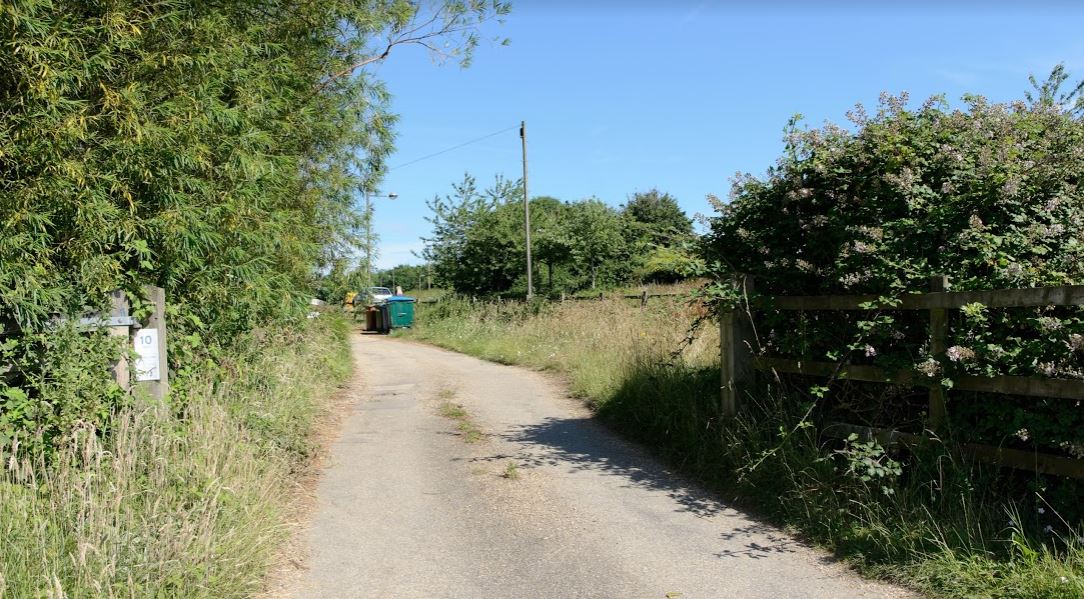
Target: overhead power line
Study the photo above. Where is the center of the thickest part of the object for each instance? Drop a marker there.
(445, 151)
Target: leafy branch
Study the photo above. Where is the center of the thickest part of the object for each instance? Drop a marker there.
(450, 20)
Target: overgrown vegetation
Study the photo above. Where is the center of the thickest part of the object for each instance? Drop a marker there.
(177, 501)
(987, 194)
(547, 336)
(214, 150)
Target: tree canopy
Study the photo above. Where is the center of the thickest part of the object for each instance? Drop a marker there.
(657, 217)
(213, 149)
(477, 245)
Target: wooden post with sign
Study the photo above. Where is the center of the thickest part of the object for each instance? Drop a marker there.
(152, 367)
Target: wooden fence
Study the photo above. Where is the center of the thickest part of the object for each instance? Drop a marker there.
(643, 297)
(740, 364)
(147, 341)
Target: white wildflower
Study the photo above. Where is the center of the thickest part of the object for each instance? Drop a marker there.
(958, 353)
(930, 367)
(850, 279)
(1076, 342)
(1049, 323)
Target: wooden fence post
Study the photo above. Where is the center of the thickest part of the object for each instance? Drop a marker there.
(938, 413)
(119, 309)
(153, 371)
(735, 355)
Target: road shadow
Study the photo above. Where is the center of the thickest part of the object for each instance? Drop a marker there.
(777, 543)
(583, 444)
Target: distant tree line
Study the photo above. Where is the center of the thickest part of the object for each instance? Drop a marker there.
(477, 245)
(407, 276)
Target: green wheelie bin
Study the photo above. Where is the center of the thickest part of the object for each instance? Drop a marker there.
(397, 312)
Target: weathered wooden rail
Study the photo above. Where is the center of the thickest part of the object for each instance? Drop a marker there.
(1069, 295)
(740, 362)
(643, 297)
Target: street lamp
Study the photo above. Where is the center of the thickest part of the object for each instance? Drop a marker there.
(369, 231)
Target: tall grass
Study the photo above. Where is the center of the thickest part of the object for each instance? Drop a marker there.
(939, 525)
(177, 500)
(598, 345)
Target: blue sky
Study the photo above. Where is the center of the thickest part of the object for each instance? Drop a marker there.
(625, 96)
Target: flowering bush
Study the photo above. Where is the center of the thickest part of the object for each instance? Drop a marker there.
(987, 194)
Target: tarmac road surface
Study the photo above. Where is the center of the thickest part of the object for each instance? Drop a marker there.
(548, 504)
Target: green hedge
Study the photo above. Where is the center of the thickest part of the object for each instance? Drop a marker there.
(212, 149)
(987, 194)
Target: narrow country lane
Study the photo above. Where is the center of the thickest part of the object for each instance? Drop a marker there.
(547, 504)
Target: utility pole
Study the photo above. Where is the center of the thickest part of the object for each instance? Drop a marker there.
(526, 211)
(369, 231)
(368, 240)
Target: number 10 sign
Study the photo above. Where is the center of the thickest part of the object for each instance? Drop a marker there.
(147, 365)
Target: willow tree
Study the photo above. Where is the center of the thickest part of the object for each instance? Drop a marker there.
(214, 149)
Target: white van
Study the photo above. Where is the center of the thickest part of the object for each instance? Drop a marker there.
(376, 295)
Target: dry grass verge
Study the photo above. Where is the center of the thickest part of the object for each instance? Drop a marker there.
(179, 500)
